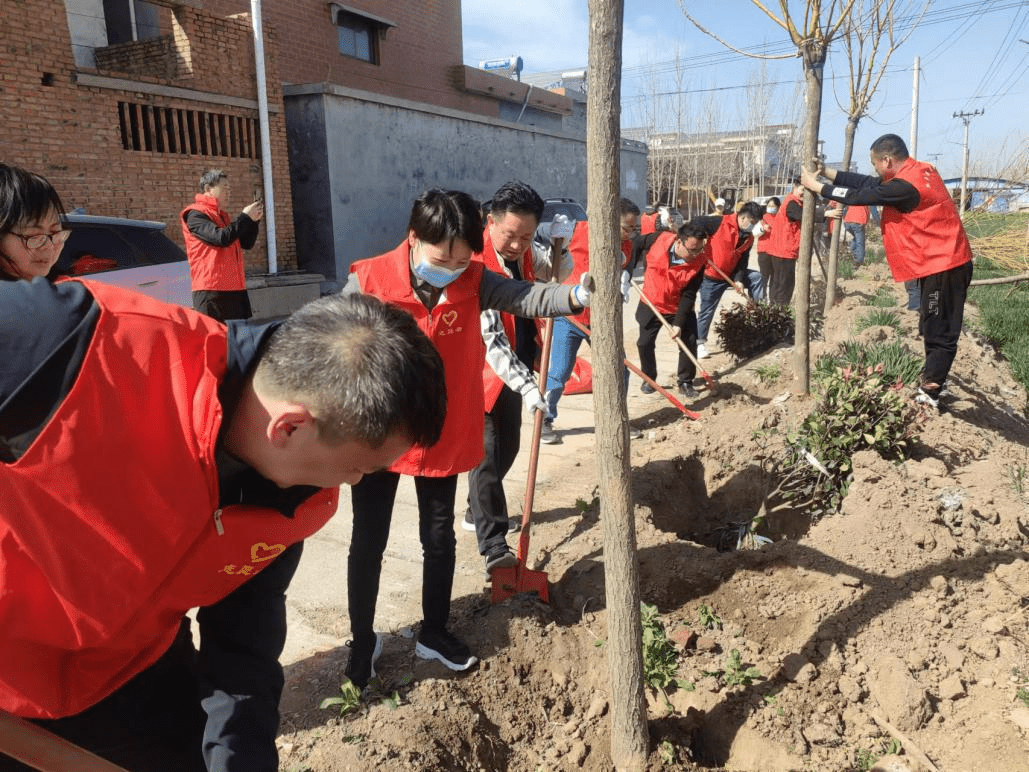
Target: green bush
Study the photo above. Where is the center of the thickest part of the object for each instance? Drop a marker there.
(883, 298)
(1004, 319)
(880, 317)
(899, 364)
(857, 411)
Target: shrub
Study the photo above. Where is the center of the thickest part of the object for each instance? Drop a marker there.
(747, 329)
(899, 364)
(880, 317)
(858, 411)
(883, 298)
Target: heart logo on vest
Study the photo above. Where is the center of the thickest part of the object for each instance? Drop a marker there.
(261, 552)
(449, 318)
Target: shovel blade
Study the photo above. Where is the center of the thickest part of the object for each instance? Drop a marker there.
(508, 582)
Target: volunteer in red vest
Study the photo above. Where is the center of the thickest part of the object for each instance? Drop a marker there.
(729, 242)
(855, 218)
(924, 240)
(214, 247)
(32, 230)
(155, 461)
(649, 220)
(568, 337)
(431, 276)
(783, 247)
(764, 261)
(507, 379)
(674, 271)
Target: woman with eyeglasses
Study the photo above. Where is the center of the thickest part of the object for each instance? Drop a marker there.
(31, 224)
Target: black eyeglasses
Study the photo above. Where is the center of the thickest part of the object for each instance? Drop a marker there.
(40, 240)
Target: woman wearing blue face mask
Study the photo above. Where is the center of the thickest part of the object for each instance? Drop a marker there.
(432, 276)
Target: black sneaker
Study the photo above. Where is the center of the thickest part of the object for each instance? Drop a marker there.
(514, 524)
(687, 390)
(500, 556)
(646, 388)
(634, 433)
(548, 436)
(363, 656)
(468, 523)
(441, 645)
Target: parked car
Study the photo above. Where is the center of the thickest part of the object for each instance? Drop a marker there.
(569, 207)
(135, 254)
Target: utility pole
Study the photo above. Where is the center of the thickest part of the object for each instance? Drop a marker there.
(967, 118)
(913, 149)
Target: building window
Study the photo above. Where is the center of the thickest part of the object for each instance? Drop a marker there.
(357, 37)
(359, 32)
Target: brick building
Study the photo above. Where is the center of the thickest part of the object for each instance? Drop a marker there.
(126, 128)
(122, 104)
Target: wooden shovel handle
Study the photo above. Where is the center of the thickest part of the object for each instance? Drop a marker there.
(45, 751)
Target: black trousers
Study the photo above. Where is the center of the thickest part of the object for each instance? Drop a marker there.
(223, 305)
(939, 320)
(372, 504)
(685, 318)
(779, 275)
(154, 723)
(486, 498)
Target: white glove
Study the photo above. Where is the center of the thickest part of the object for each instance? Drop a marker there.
(582, 291)
(625, 286)
(561, 227)
(759, 230)
(533, 400)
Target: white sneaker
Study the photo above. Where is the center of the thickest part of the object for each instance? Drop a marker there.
(925, 399)
(702, 351)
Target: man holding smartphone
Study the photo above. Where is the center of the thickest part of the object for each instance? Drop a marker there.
(214, 247)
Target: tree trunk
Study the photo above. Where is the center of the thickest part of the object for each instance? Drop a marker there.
(837, 231)
(814, 61)
(629, 741)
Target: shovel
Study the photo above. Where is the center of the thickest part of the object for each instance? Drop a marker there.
(685, 349)
(42, 750)
(688, 413)
(735, 285)
(510, 581)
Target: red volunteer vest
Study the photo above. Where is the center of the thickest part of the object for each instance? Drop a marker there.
(210, 267)
(99, 563)
(492, 385)
(856, 214)
(662, 282)
(453, 327)
(930, 239)
(579, 248)
(648, 223)
(785, 239)
(762, 242)
(721, 249)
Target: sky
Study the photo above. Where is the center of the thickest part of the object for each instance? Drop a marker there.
(972, 56)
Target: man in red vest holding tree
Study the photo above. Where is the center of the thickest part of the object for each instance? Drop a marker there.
(924, 240)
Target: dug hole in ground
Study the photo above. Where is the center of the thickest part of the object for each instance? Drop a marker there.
(901, 618)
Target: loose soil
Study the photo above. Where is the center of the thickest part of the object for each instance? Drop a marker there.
(903, 616)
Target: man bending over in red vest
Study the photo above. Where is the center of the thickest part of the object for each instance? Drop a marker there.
(924, 240)
(153, 461)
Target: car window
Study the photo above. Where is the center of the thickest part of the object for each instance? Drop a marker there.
(570, 209)
(99, 248)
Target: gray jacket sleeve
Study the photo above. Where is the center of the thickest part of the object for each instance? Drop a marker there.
(525, 298)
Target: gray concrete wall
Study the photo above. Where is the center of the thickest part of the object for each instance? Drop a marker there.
(359, 160)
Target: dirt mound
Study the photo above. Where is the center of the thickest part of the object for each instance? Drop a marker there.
(902, 617)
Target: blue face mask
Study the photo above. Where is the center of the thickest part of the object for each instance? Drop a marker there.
(772, 209)
(436, 275)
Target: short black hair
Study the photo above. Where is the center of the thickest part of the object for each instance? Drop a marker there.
(25, 197)
(517, 197)
(691, 230)
(752, 208)
(444, 215)
(774, 200)
(627, 207)
(361, 366)
(890, 145)
(210, 178)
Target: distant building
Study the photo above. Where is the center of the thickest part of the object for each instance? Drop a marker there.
(990, 194)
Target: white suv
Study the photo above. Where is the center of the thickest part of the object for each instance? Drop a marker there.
(135, 254)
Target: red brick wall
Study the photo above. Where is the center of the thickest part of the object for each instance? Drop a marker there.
(71, 133)
(416, 56)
